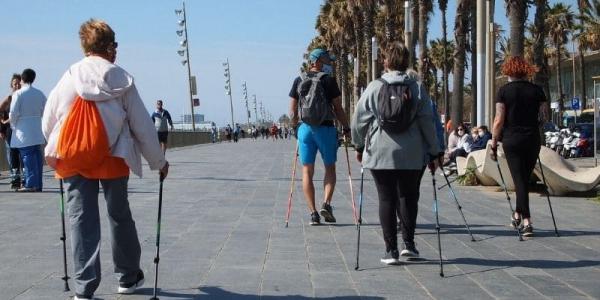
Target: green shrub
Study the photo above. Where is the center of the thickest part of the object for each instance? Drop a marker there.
(468, 178)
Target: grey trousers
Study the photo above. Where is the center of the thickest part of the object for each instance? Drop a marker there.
(84, 218)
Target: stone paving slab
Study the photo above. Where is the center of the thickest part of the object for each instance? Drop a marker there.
(223, 237)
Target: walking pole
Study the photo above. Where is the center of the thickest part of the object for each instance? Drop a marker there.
(548, 196)
(512, 211)
(457, 203)
(350, 182)
(437, 221)
(360, 205)
(63, 236)
(157, 257)
(289, 209)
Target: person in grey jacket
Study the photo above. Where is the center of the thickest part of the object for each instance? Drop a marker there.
(395, 159)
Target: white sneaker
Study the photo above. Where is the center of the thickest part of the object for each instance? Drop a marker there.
(81, 298)
(131, 287)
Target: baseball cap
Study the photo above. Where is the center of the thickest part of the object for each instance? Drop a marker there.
(317, 53)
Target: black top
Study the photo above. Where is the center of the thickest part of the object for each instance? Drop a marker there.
(332, 90)
(522, 103)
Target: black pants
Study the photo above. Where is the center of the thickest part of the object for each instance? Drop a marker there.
(456, 153)
(397, 190)
(522, 150)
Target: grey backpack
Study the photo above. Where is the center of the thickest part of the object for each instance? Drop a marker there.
(314, 106)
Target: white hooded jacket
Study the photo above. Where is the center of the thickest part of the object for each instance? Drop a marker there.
(129, 129)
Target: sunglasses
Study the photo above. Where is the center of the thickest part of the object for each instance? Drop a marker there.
(461, 129)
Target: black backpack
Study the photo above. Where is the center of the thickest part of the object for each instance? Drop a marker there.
(314, 106)
(396, 106)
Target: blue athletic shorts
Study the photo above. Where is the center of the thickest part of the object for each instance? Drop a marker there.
(321, 138)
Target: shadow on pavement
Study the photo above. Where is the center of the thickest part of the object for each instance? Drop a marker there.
(214, 292)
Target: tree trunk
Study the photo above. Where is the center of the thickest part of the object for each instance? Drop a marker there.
(540, 78)
(445, 67)
(460, 33)
(517, 12)
(368, 16)
(474, 64)
(561, 99)
(423, 22)
(415, 35)
(582, 85)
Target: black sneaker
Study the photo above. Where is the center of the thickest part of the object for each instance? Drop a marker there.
(315, 219)
(327, 213)
(410, 250)
(391, 258)
(129, 288)
(527, 230)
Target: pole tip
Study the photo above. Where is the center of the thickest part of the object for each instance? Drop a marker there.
(441, 274)
(356, 268)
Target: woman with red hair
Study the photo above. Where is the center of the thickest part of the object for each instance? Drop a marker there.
(520, 106)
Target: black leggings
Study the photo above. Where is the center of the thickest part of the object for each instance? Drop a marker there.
(397, 190)
(521, 155)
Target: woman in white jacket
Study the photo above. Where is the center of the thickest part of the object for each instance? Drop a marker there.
(98, 82)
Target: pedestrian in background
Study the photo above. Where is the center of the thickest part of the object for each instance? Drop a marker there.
(12, 154)
(520, 106)
(25, 117)
(396, 158)
(162, 120)
(96, 90)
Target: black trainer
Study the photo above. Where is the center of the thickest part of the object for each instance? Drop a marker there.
(410, 250)
(129, 288)
(315, 219)
(391, 257)
(327, 213)
(527, 230)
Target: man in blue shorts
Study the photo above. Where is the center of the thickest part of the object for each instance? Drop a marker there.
(321, 137)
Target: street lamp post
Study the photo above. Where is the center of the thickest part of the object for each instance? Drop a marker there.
(186, 45)
(245, 91)
(228, 87)
(255, 112)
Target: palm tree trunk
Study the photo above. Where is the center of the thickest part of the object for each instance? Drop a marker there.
(445, 66)
(582, 72)
(415, 36)
(559, 81)
(368, 16)
(541, 77)
(423, 22)
(474, 64)
(517, 11)
(461, 27)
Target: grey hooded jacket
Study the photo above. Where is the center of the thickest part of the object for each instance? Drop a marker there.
(403, 151)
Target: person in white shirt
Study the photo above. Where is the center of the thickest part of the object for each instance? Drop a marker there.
(25, 117)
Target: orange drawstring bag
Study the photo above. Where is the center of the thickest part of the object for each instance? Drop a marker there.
(83, 142)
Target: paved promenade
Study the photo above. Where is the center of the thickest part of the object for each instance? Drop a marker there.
(223, 237)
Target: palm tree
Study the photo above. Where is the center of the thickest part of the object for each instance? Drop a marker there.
(516, 10)
(438, 62)
(473, 51)
(461, 27)
(590, 34)
(443, 4)
(355, 14)
(560, 21)
(538, 34)
(415, 37)
(368, 15)
(425, 8)
(582, 5)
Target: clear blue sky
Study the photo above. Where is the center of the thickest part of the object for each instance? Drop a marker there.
(263, 39)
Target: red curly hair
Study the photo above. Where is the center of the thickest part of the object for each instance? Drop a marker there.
(517, 67)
